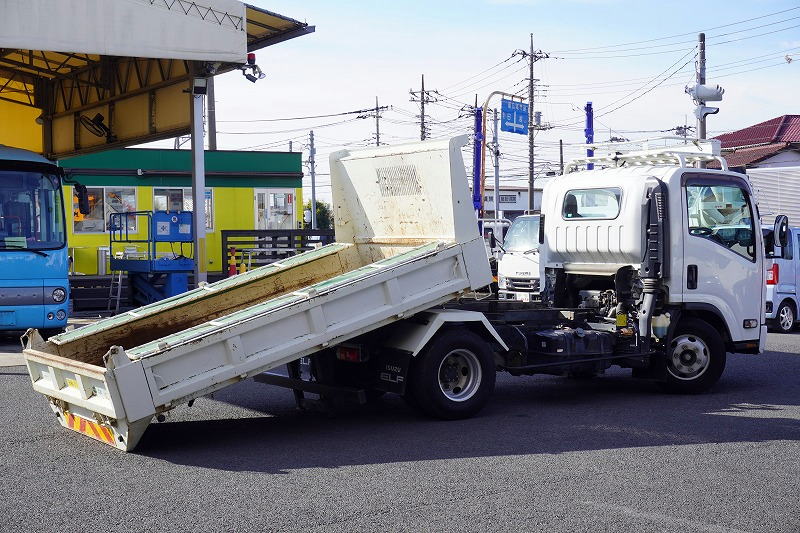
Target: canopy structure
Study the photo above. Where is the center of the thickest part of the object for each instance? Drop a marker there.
(79, 76)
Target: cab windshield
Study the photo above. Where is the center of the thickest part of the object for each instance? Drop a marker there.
(523, 235)
(31, 211)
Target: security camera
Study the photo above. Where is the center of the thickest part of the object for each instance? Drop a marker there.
(199, 86)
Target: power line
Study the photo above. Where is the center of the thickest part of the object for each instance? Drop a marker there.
(289, 131)
(595, 48)
(355, 112)
(478, 74)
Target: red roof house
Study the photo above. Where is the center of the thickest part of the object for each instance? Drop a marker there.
(775, 142)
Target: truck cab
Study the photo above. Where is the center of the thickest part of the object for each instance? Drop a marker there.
(675, 247)
(518, 265)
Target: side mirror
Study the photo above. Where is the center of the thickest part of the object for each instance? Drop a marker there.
(781, 230)
(83, 199)
(492, 240)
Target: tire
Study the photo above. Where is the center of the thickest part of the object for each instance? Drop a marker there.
(47, 333)
(695, 359)
(785, 318)
(454, 377)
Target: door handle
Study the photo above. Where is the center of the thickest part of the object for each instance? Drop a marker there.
(691, 277)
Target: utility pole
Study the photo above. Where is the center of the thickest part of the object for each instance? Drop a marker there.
(702, 93)
(701, 80)
(533, 56)
(423, 97)
(422, 111)
(290, 146)
(312, 169)
(377, 123)
(561, 155)
(496, 152)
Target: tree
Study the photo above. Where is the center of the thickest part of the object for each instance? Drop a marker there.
(324, 215)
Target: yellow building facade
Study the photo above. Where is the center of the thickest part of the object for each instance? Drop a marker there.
(244, 191)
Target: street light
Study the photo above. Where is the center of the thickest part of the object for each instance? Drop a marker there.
(483, 143)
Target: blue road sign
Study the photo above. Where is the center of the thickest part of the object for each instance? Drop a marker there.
(514, 117)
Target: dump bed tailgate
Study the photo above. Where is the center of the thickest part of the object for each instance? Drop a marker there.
(89, 399)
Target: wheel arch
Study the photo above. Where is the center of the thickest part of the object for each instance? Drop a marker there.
(792, 302)
(417, 334)
(712, 316)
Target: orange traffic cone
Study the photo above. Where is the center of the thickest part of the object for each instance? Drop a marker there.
(232, 270)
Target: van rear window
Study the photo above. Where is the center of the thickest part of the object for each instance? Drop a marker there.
(592, 203)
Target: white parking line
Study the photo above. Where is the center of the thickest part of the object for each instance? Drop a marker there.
(663, 518)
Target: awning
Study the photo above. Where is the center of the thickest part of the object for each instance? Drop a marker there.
(128, 61)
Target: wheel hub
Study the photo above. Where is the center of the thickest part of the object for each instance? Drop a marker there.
(689, 359)
(459, 375)
(786, 317)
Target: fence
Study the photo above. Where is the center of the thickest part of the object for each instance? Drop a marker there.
(255, 248)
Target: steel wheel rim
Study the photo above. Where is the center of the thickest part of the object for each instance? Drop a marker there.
(786, 318)
(459, 375)
(690, 358)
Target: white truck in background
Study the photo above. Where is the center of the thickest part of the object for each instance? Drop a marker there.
(518, 262)
(638, 271)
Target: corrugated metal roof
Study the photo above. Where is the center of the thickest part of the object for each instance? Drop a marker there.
(783, 129)
(745, 156)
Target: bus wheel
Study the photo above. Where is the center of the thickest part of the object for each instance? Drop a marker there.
(454, 377)
(47, 333)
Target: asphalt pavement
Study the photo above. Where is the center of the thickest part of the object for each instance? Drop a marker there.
(547, 454)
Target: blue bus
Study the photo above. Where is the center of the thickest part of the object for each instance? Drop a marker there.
(34, 261)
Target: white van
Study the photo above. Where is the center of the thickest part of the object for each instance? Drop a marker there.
(782, 276)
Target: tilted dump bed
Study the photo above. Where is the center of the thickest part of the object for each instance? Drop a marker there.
(407, 240)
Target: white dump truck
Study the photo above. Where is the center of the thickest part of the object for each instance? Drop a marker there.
(657, 267)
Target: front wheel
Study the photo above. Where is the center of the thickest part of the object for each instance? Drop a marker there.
(695, 358)
(47, 333)
(454, 377)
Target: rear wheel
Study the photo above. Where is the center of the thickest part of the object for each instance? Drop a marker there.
(785, 318)
(695, 358)
(454, 377)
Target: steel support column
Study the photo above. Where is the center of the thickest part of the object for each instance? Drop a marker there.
(199, 190)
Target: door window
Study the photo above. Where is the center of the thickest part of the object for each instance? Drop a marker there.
(723, 215)
(592, 203)
(181, 200)
(281, 214)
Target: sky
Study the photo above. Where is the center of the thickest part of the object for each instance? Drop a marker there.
(631, 59)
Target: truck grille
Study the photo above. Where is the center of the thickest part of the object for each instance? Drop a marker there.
(522, 284)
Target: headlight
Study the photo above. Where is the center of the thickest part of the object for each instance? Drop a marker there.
(501, 282)
(59, 295)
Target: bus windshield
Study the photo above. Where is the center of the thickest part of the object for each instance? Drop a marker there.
(523, 235)
(31, 211)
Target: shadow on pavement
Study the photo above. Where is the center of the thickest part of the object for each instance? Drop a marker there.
(539, 415)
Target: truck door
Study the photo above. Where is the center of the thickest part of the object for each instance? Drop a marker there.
(722, 252)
